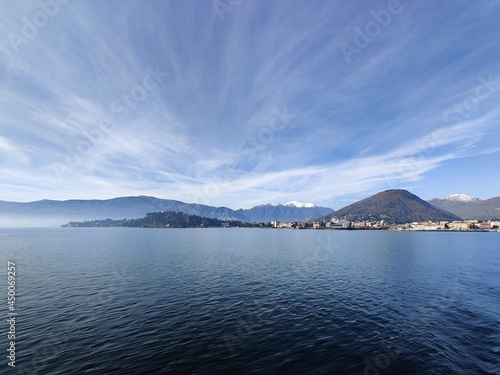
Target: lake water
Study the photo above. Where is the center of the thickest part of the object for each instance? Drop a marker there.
(252, 301)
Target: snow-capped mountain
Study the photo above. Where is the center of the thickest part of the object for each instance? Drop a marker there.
(290, 211)
(468, 207)
(296, 204)
(299, 204)
(461, 198)
(55, 213)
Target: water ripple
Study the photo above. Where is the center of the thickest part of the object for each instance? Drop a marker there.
(223, 301)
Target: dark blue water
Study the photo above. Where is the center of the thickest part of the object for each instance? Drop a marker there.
(252, 301)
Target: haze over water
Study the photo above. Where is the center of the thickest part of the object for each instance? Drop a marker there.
(214, 301)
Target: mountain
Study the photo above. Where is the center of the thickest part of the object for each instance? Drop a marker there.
(291, 211)
(51, 212)
(393, 206)
(473, 209)
(455, 203)
(461, 198)
(299, 204)
(55, 213)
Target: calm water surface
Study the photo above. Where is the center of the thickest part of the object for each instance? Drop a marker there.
(252, 301)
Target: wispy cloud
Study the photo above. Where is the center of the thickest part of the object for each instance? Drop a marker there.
(80, 119)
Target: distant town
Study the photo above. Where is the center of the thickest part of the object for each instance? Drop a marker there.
(169, 219)
(342, 224)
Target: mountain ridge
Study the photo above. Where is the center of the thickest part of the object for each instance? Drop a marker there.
(284, 213)
(479, 209)
(55, 211)
(395, 205)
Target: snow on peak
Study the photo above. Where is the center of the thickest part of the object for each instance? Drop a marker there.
(299, 204)
(273, 204)
(461, 198)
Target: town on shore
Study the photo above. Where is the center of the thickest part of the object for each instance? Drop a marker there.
(168, 219)
(342, 224)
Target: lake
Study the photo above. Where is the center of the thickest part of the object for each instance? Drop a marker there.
(252, 301)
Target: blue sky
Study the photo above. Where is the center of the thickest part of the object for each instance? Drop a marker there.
(241, 102)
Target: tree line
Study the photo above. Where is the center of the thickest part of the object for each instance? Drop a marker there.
(165, 219)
